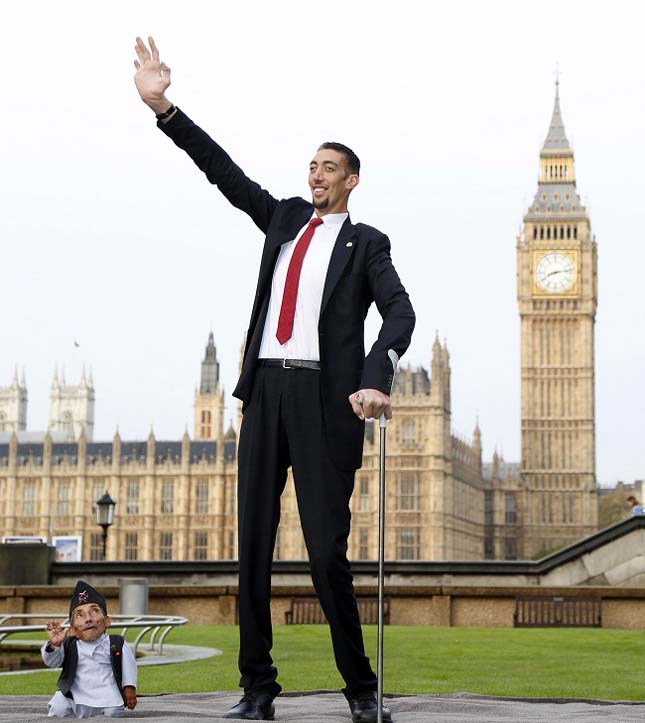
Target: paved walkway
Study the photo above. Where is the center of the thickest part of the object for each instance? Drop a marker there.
(332, 708)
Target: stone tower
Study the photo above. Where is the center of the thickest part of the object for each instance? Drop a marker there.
(71, 409)
(209, 398)
(13, 405)
(557, 297)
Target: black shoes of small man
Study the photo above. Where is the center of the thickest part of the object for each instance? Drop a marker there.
(365, 710)
(253, 706)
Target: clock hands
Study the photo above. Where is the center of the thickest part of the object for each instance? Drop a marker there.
(559, 271)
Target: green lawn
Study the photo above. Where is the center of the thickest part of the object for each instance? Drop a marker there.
(591, 663)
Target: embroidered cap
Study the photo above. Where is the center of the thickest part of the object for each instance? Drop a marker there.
(83, 594)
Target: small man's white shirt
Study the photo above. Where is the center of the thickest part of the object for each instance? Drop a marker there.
(303, 343)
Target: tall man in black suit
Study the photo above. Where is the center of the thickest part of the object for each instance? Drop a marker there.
(306, 386)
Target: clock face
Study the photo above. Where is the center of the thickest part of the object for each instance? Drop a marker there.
(555, 272)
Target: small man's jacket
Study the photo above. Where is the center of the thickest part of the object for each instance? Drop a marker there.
(70, 663)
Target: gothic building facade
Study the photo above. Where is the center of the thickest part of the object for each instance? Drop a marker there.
(177, 499)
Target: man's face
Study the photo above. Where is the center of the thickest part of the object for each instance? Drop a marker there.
(330, 181)
(88, 622)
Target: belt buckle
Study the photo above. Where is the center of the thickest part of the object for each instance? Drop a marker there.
(284, 365)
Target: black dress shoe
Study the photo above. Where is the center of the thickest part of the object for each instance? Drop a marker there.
(253, 706)
(365, 710)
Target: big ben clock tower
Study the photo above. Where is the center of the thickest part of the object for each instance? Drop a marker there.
(557, 297)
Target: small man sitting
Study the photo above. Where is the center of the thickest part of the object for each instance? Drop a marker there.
(99, 671)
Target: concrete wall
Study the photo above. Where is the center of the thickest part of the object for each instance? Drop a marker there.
(439, 606)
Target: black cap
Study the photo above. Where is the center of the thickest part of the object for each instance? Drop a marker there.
(83, 594)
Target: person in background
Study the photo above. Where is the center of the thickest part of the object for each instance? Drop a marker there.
(636, 507)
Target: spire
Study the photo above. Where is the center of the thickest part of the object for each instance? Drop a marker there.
(230, 432)
(210, 369)
(446, 353)
(23, 383)
(436, 348)
(55, 379)
(15, 376)
(556, 139)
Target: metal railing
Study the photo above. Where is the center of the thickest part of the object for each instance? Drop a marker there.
(157, 625)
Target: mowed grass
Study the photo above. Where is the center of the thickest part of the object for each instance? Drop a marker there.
(582, 663)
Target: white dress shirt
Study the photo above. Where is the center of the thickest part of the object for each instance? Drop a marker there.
(303, 343)
(94, 684)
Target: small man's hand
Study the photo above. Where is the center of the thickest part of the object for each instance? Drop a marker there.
(152, 77)
(55, 633)
(370, 403)
(130, 696)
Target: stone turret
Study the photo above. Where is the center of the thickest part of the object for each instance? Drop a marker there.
(209, 398)
(13, 405)
(71, 408)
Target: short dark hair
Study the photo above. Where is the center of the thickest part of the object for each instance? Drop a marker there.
(351, 159)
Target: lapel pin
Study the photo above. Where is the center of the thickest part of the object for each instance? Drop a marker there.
(349, 244)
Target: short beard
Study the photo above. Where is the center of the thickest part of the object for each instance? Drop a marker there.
(322, 204)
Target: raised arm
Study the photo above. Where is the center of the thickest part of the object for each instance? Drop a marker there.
(152, 79)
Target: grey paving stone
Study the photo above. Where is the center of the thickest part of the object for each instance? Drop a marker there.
(332, 708)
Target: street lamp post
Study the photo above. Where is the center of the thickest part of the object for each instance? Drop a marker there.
(105, 516)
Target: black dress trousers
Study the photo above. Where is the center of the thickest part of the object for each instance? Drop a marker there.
(283, 426)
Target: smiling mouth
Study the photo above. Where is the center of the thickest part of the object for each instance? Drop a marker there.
(319, 190)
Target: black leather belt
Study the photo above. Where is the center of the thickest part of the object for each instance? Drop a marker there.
(290, 363)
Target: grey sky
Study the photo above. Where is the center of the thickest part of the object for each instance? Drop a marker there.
(112, 237)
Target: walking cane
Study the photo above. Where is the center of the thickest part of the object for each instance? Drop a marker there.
(382, 423)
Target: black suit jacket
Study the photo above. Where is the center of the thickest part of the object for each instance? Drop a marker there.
(360, 272)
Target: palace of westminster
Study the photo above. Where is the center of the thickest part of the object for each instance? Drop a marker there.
(176, 500)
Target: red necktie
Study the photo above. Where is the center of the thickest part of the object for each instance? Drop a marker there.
(288, 308)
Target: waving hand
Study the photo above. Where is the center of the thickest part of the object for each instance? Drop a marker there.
(152, 77)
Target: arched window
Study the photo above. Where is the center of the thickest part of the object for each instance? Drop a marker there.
(575, 232)
(548, 232)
